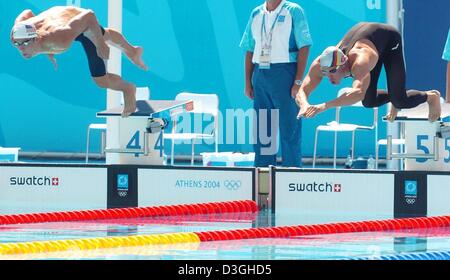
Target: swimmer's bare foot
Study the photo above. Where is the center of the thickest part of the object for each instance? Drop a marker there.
(392, 114)
(136, 58)
(129, 97)
(434, 103)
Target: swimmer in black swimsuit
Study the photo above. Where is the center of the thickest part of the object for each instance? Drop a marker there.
(360, 55)
(53, 32)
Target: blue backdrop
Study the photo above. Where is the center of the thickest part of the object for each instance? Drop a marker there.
(426, 27)
(189, 46)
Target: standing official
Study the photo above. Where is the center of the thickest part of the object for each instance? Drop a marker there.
(277, 42)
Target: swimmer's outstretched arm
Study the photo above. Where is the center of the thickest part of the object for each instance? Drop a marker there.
(53, 60)
(361, 83)
(361, 73)
(310, 83)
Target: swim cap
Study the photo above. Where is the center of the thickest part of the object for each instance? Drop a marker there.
(332, 57)
(24, 31)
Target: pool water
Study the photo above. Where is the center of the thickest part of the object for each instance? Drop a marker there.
(315, 247)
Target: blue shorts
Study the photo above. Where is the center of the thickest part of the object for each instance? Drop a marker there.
(97, 65)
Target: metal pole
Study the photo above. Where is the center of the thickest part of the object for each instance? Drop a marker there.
(115, 67)
(389, 148)
(436, 148)
(394, 16)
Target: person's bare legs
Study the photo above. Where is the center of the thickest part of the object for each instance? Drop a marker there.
(134, 53)
(116, 82)
(433, 100)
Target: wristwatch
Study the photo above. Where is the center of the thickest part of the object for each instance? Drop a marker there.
(298, 82)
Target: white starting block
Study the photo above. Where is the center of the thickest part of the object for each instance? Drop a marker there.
(9, 154)
(141, 134)
(427, 145)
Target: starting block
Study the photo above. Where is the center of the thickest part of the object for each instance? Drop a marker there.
(9, 154)
(427, 145)
(141, 134)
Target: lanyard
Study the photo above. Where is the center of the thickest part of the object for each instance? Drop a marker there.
(263, 27)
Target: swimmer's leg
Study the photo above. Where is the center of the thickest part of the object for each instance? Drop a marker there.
(134, 53)
(116, 82)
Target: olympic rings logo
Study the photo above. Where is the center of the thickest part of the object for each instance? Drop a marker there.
(232, 185)
(410, 201)
(122, 193)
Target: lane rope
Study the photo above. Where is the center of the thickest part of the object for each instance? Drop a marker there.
(96, 243)
(224, 235)
(137, 212)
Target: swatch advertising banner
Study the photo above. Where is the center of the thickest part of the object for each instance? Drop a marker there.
(30, 189)
(333, 193)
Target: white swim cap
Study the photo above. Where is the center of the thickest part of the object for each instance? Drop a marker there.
(332, 57)
(24, 31)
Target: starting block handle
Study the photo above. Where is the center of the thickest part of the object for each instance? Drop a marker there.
(389, 148)
(144, 151)
(412, 156)
(436, 148)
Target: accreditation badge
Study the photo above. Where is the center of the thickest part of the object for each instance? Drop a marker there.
(264, 59)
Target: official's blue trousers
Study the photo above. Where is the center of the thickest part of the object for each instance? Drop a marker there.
(272, 90)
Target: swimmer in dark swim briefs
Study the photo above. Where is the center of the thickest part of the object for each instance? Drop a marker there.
(53, 32)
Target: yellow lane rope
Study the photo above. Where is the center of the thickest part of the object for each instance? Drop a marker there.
(37, 247)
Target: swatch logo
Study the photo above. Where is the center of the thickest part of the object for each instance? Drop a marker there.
(34, 181)
(315, 187)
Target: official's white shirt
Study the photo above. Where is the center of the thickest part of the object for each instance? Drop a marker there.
(291, 32)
